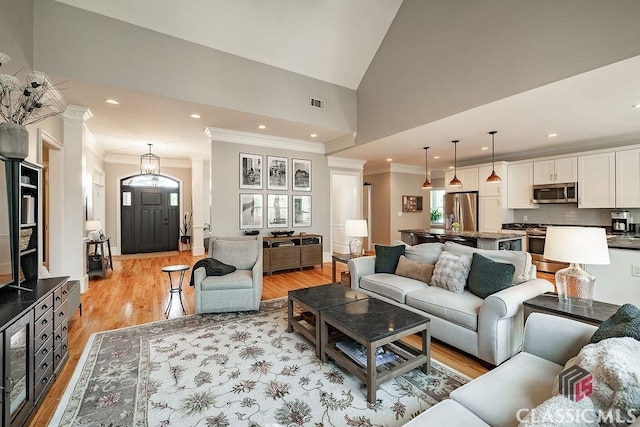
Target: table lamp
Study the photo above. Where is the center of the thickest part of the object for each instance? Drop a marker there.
(576, 245)
(356, 228)
(94, 229)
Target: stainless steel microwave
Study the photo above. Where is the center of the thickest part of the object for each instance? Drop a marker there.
(556, 193)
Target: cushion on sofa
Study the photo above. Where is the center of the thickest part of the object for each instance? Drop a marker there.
(239, 279)
(451, 272)
(460, 309)
(623, 323)
(414, 270)
(424, 252)
(521, 260)
(242, 254)
(391, 286)
(446, 413)
(487, 277)
(547, 413)
(387, 258)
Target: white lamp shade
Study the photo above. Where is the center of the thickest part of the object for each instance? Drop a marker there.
(92, 225)
(580, 245)
(356, 228)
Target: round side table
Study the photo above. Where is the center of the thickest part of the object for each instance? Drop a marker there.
(182, 269)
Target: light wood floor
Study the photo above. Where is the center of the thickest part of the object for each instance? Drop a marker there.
(136, 292)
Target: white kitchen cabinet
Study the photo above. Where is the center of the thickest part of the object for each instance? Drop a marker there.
(628, 179)
(492, 188)
(597, 181)
(468, 177)
(520, 186)
(555, 171)
(489, 214)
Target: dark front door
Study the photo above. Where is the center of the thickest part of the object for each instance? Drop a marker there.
(149, 221)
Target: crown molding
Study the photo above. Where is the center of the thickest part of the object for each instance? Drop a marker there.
(135, 160)
(344, 163)
(75, 113)
(341, 143)
(238, 137)
(92, 144)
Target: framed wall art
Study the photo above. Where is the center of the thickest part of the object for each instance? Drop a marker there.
(251, 211)
(277, 210)
(277, 173)
(301, 210)
(301, 173)
(411, 203)
(251, 171)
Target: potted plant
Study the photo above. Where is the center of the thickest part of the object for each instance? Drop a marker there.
(455, 227)
(185, 230)
(436, 215)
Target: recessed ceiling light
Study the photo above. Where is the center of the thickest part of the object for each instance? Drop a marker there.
(450, 167)
(389, 159)
(195, 116)
(111, 101)
(636, 106)
(314, 135)
(436, 157)
(484, 148)
(262, 127)
(552, 135)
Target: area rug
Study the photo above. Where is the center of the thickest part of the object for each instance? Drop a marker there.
(240, 369)
(146, 255)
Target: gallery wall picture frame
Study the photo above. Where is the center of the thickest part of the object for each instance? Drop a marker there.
(251, 211)
(301, 174)
(277, 173)
(277, 210)
(301, 210)
(250, 171)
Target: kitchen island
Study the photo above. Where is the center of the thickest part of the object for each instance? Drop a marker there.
(476, 239)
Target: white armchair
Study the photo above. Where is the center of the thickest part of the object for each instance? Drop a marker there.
(237, 291)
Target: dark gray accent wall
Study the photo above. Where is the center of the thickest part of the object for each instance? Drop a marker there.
(442, 57)
(75, 43)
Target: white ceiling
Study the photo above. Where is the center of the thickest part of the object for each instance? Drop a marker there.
(336, 41)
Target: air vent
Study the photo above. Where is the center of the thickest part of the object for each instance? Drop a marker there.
(317, 103)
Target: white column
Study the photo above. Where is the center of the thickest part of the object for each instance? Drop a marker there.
(71, 260)
(197, 184)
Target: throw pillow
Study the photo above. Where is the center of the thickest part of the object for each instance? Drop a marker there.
(451, 272)
(623, 323)
(424, 252)
(414, 270)
(487, 277)
(387, 258)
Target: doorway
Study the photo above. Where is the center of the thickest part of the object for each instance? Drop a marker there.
(150, 214)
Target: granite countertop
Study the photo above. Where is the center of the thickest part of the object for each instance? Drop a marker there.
(624, 241)
(470, 234)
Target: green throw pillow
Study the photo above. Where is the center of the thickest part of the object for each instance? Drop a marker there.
(488, 277)
(387, 258)
(623, 323)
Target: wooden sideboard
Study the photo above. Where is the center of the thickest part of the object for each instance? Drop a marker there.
(291, 252)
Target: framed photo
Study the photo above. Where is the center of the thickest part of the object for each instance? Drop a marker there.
(251, 171)
(277, 211)
(411, 203)
(301, 211)
(278, 171)
(251, 212)
(301, 173)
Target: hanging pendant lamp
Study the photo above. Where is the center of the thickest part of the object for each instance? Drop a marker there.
(494, 177)
(149, 163)
(427, 184)
(455, 182)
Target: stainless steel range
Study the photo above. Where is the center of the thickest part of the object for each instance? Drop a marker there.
(536, 237)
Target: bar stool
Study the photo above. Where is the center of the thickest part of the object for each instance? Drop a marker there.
(182, 269)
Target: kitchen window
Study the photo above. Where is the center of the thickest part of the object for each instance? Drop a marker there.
(437, 207)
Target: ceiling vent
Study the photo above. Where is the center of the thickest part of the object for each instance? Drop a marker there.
(317, 103)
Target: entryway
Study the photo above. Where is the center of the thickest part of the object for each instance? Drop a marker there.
(150, 214)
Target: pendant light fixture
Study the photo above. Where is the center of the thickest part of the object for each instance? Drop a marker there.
(493, 178)
(427, 184)
(455, 182)
(149, 163)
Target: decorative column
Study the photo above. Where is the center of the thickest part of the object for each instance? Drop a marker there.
(197, 184)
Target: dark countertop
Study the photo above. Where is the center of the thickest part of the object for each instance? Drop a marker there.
(624, 241)
(471, 234)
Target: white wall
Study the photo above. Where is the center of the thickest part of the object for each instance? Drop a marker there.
(614, 282)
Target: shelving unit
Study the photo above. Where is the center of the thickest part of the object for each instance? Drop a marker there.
(291, 252)
(29, 196)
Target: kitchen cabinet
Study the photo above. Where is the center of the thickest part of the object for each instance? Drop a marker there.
(492, 188)
(520, 188)
(468, 177)
(597, 181)
(489, 214)
(555, 171)
(628, 179)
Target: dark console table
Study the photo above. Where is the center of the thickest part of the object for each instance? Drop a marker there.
(97, 259)
(550, 303)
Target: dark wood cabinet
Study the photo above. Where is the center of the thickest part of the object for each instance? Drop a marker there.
(291, 252)
(28, 177)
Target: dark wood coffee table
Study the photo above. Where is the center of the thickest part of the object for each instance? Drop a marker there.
(375, 323)
(312, 301)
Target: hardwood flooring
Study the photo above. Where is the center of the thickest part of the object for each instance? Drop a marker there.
(137, 292)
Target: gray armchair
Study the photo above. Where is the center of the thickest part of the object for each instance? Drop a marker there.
(237, 291)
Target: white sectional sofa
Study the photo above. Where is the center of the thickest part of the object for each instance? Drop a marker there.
(490, 329)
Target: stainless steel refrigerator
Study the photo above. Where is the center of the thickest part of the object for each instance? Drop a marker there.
(463, 209)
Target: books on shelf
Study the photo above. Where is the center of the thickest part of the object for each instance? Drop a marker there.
(358, 352)
(28, 212)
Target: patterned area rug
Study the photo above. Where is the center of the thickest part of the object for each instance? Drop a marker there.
(237, 369)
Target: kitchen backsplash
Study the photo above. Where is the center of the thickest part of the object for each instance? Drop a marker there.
(567, 214)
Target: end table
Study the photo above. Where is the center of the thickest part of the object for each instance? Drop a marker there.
(550, 303)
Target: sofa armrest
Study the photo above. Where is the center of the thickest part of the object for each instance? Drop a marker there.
(361, 266)
(555, 338)
(501, 320)
(198, 276)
